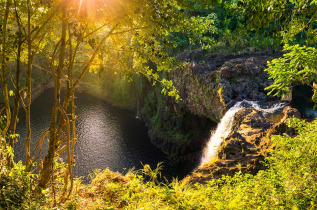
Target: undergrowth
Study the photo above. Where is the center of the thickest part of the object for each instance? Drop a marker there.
(289, 182)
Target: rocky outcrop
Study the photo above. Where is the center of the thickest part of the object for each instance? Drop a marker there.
(172, 128)
(209, 86)
(215, 84)
(245, 148)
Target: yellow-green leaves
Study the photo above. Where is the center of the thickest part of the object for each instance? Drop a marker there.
(297, 66)
(11, 93)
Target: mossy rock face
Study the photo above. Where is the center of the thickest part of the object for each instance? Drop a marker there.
(199, 97)
(208, 86)
(173, 128)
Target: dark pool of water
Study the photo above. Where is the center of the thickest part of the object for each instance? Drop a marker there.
(302, 100)
(107, 137)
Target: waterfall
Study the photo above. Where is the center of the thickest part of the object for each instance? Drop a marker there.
(222, 131)
(137, 116)
(225, 126)
(137, 111)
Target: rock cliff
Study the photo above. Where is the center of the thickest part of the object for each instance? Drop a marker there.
(245, 148)
(209, 86)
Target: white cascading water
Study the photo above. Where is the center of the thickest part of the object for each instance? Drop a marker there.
(225, 126)
(137, 112)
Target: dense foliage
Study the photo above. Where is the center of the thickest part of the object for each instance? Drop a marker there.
(296, 67)
(288, 182)
(69, 38)
(295, 23)
(73, 38)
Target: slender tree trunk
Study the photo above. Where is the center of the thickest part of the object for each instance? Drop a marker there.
(55, 130)
(71, 142)
(28, 89)
(3, 66)
(16, 98)
(48, 165)
(17, 91)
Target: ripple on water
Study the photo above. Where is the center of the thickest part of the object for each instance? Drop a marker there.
(107, 137)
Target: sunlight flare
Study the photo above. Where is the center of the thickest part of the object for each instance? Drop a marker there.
(89, 8)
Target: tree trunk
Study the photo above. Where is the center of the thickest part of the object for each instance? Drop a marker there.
(28, 89)
(16, 99)
(17, 88)
(48, 165)
(3, 66)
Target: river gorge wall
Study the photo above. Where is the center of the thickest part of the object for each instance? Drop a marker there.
(209, 86)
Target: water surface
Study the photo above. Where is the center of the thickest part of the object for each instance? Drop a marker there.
(107, 137)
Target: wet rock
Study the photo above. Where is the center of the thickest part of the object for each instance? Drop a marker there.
(235, 147)
(281, 127)
(248, 144)
(290, 112)
(228, 71)
(208, 87)
(235, 135)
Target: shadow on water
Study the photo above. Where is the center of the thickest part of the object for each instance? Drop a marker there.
(107, 137)
(302, 100)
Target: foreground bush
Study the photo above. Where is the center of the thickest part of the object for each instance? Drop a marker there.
(290, 182)
(15, 182)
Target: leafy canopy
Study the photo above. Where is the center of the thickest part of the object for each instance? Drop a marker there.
(297, 66)
(296, 22)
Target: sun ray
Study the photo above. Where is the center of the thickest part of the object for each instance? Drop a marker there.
(80, 3)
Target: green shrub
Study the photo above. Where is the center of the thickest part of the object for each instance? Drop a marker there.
(289, 182)
(15, 182)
